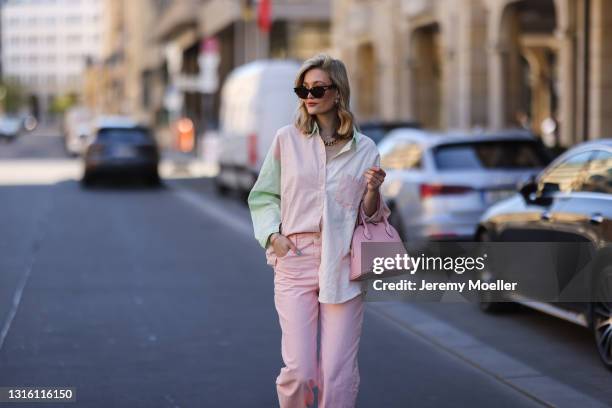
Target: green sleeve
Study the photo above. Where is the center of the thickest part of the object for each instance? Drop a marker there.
(264, 197)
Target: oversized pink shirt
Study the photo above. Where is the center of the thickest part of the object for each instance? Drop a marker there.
(297, 191)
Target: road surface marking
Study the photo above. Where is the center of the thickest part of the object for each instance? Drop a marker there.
(214, 210)
(26, 276)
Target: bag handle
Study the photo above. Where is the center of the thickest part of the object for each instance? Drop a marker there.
(366, 230)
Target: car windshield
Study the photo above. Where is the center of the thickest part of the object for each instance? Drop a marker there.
(117, 135)
(507, 154)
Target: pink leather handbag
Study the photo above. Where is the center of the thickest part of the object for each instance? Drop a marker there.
(390, 245)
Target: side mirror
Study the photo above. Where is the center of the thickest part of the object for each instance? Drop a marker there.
(531, 195)
(528, 189)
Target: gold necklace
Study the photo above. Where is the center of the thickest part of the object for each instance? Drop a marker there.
(329, 142)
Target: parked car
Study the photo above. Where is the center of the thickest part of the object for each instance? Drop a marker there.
(77, 128)
(439, 185)
(121, 148)
(570, 201)
(377, 130)
(256, 100)
(10, 128)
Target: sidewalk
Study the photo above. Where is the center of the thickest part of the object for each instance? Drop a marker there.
(175, 164)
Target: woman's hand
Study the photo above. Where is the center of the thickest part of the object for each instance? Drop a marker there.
(375, 177)
(281, 245)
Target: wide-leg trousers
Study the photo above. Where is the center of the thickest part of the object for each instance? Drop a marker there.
(334, 370)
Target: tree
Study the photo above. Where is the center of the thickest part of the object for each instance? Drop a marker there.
(62, 103)
(12, 96)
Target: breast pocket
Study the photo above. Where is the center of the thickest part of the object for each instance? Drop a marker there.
(350, 191)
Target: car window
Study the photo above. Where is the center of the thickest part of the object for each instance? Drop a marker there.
(598, 177)
(374, 133)
(565, 176)
(506, 154)
(117, 135)
(403, 155)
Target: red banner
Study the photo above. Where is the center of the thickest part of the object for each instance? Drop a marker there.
(264, 18)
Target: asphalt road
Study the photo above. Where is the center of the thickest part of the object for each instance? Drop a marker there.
(156, 298)
(42, 143)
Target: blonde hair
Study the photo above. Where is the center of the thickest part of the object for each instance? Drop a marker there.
(337, 73)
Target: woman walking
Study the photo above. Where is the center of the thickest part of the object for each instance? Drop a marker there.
(317, 174)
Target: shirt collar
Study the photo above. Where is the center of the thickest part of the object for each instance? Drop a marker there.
(353, 142)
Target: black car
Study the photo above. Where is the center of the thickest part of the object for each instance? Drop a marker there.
(121, 152)
(569, 202)
(376, 130)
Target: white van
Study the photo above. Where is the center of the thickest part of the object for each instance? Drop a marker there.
(256, 100)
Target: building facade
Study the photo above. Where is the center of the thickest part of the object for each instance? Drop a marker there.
(46, 45)
(299, 28)
(121, 81)
(463, 64)
(153, 51)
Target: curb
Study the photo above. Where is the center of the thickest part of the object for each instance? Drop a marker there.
(505, 369)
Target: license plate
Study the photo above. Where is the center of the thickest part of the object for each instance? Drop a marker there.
(123, 152)
(497, 195)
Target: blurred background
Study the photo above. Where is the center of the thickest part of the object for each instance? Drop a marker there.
(538, 64)
(132, 131)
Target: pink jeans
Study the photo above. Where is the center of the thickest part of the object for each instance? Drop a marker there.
(335, 371)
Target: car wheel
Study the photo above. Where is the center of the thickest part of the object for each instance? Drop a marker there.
(486, 303)
(87, 180)
(243, 195)
(601, 318)
(153, 180)
(221, 188)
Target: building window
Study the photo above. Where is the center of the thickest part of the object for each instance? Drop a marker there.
(73, 19)
(73, 58)
(73, 38)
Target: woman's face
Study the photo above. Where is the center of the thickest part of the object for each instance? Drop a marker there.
(318, 106)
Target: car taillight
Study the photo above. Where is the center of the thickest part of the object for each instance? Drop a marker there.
(252, 149)
(431, 190)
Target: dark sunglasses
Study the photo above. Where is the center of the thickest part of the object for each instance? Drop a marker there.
(316, 91)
